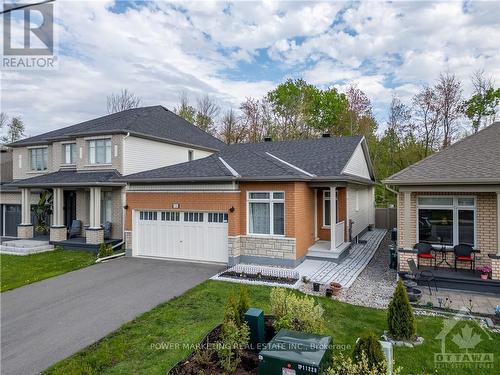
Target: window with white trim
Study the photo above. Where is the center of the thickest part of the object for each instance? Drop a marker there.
(69, 153)
(196, 217)
(170, 216)
(446, 220)
(39, 159)
(148, 215)
(99, 151)
(327, 207)
(217, 217)
(266, 213)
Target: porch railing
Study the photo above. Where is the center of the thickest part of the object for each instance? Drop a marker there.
(339, 233)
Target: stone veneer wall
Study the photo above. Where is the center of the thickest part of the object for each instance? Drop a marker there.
(25, 231)
(58, 233)
(403, 257)
(128, 240)
(262, 250)
(495, 266)
(94, 236)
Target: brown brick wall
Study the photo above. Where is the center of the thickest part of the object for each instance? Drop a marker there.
(299, 207)
(486, 223)
(304, 218)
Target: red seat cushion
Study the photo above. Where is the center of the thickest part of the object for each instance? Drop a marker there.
(426, 255)
(462, 257)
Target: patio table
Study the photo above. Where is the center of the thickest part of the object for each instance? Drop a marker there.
(443, 250)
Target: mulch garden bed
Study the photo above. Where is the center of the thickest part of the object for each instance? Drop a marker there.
(249, 364)
(259, 277)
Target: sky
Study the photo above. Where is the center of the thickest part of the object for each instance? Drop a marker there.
(235, 50)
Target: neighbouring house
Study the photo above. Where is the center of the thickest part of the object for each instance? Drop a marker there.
(451, 198)
(263, 203)
(80, 163)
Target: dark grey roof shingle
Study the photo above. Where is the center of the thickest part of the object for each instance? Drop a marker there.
(473, 159)
(154, 121)
(71, 177)
(323, 157)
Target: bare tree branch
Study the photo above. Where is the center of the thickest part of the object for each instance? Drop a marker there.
(122, 101)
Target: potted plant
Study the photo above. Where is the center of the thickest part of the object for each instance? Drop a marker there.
(335, 287)
(485, 271)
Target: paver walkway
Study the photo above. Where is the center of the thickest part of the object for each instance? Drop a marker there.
(349, 268)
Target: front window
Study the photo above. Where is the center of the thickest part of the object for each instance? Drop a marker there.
(106, 206)
(39, 159)
(447, 220)
(100, 151)
(69, 153)
(266, 213)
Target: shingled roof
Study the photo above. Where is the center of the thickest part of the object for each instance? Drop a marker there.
(71, 178)
(323, 158)
(154, 122)
(475, 159)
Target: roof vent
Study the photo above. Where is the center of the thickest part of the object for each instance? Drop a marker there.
(326, 135)
(268, 139)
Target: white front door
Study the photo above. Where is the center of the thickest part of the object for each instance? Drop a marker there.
(200, 236)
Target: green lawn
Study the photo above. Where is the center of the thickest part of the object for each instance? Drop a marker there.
(136, 348)
(16, 271)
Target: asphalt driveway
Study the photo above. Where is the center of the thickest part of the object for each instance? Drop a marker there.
(47, 321)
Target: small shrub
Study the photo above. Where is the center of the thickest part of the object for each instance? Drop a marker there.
(295, 312)
(105, 250)
(204, 356)
(234, 340)
(346, 366)
(243, 302)
(400, 318)
(236, 307)
(370, 346)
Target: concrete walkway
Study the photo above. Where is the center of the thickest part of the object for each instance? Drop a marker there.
(461, 300)
(47, 321)
(349, 268)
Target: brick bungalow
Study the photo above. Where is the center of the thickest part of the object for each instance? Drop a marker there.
(266, 203)
(451, 198)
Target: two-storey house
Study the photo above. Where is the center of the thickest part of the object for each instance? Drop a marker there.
(80, 164)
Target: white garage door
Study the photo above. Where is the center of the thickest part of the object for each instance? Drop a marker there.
(200, 236)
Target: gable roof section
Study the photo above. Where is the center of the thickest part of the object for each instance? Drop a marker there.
(474, 159)
(318, 159)
(155, 122)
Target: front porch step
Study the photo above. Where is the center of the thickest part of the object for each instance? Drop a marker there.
(330, 255)
(25, 247)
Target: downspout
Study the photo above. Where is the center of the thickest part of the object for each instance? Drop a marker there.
(124, 189)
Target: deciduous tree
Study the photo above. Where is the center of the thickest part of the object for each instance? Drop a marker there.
(122, 101)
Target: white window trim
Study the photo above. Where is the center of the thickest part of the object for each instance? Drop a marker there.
(30, 159)
(455, 208)
(63, 146)
(95, 151)
(269, 200)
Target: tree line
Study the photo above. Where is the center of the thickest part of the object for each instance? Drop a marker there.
(435, 117)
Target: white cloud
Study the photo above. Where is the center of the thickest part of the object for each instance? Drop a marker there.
(161, 49)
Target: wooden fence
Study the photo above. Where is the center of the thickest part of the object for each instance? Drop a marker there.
(386, 218)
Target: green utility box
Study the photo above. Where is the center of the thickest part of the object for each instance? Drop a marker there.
(295, 353)
(255, 320)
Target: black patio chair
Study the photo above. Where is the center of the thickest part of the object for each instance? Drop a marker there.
(107, 230)
(424, 252)
(75, 229)
(422, 275)
(464, 253)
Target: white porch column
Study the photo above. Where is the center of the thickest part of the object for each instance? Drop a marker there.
(315, 214)
(333, 217)
(498, 223)
(95, 207)
(25, 207)
(58, 215)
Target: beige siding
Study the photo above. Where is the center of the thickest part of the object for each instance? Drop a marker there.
(144, 154)
(15, 198)
(362, 213)
(358, 166)
(82, 150)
